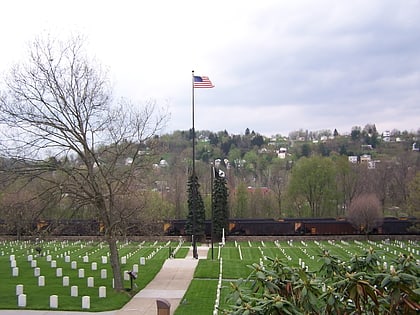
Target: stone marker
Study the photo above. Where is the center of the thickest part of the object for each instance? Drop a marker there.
(102, 292)
(90, 282)
(37, 272)
(66, 281)
(74, 265)
(19, 289)
(74, 291)
(86, 302)
(33, 263)
(15, 272)
(103, 273)
(94, 266)
(53, 301)
(136, 268)
(142, 261)
(104, 259)
(81, 273)
(41, 281)
(22, 300)
(59, 272)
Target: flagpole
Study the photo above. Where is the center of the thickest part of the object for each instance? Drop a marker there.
(194, 243)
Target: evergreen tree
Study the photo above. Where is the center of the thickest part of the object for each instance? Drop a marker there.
(196, 210)
(220, 205)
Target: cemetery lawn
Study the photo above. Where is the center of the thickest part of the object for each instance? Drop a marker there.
(38, 297)
(237, 257)
(231, 262)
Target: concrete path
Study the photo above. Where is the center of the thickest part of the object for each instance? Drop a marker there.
(170, 284)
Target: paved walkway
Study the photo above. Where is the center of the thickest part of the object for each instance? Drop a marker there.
(170, 284)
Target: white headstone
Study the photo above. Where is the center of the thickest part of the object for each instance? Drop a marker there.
(102, 292)
(49, 258)
(94, 266)
(90, 282)
(41, 281)
(59, 272)
(12, 257)
(104, 259)
(74, 291)
(67, 259)
(126, 275)
(22, 300)
(66, 281)
(19, 289)
(33, 263)
(13, 263)
(86, 302)
(85, 259)
(142, 261)
(53, 301)
(81, 273)
(103, 274)
(37, 272)
(30, 257)
(123, 260)
(53, 264)
(136, 268)
(15, 272)
(74, 265)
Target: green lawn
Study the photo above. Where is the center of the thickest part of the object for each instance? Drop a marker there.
(37, 297)
(201, 295)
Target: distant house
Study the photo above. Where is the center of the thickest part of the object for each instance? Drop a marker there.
(365, 158)
(386, 136)
(281, 153)
(353, 159)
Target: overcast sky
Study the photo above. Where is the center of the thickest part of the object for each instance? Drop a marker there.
(277, 66)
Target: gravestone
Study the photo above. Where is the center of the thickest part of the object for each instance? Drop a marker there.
(66, 281)
(102, 292)
(94, 266)
(103, 273)
(19, 289)
(86, 302)
(22, 300)
(74, 290)
(15, 272)
(81, 273)
(37, 272)
(41, 281)
(90, 282)
(74, 265)
(59, 272)
(53, 264)
(53, 301)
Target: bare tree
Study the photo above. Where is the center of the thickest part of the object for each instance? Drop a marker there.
(59, 122)
(365, 213)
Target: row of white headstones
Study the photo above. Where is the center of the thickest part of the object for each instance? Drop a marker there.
(66, 280)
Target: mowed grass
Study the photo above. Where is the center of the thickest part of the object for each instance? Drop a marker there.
(237, 257)
(38, 297)
(233, 260)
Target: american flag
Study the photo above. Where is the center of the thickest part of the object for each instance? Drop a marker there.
(202, 82)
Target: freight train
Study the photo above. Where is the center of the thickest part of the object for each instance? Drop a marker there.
(304, 226)
(236, 227)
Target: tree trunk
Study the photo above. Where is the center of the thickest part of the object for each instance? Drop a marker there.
(115, 263)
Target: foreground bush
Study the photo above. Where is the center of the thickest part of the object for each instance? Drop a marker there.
(364, 285)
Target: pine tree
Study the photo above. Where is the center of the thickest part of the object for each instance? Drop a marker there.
(220, 205)
(196, 210)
